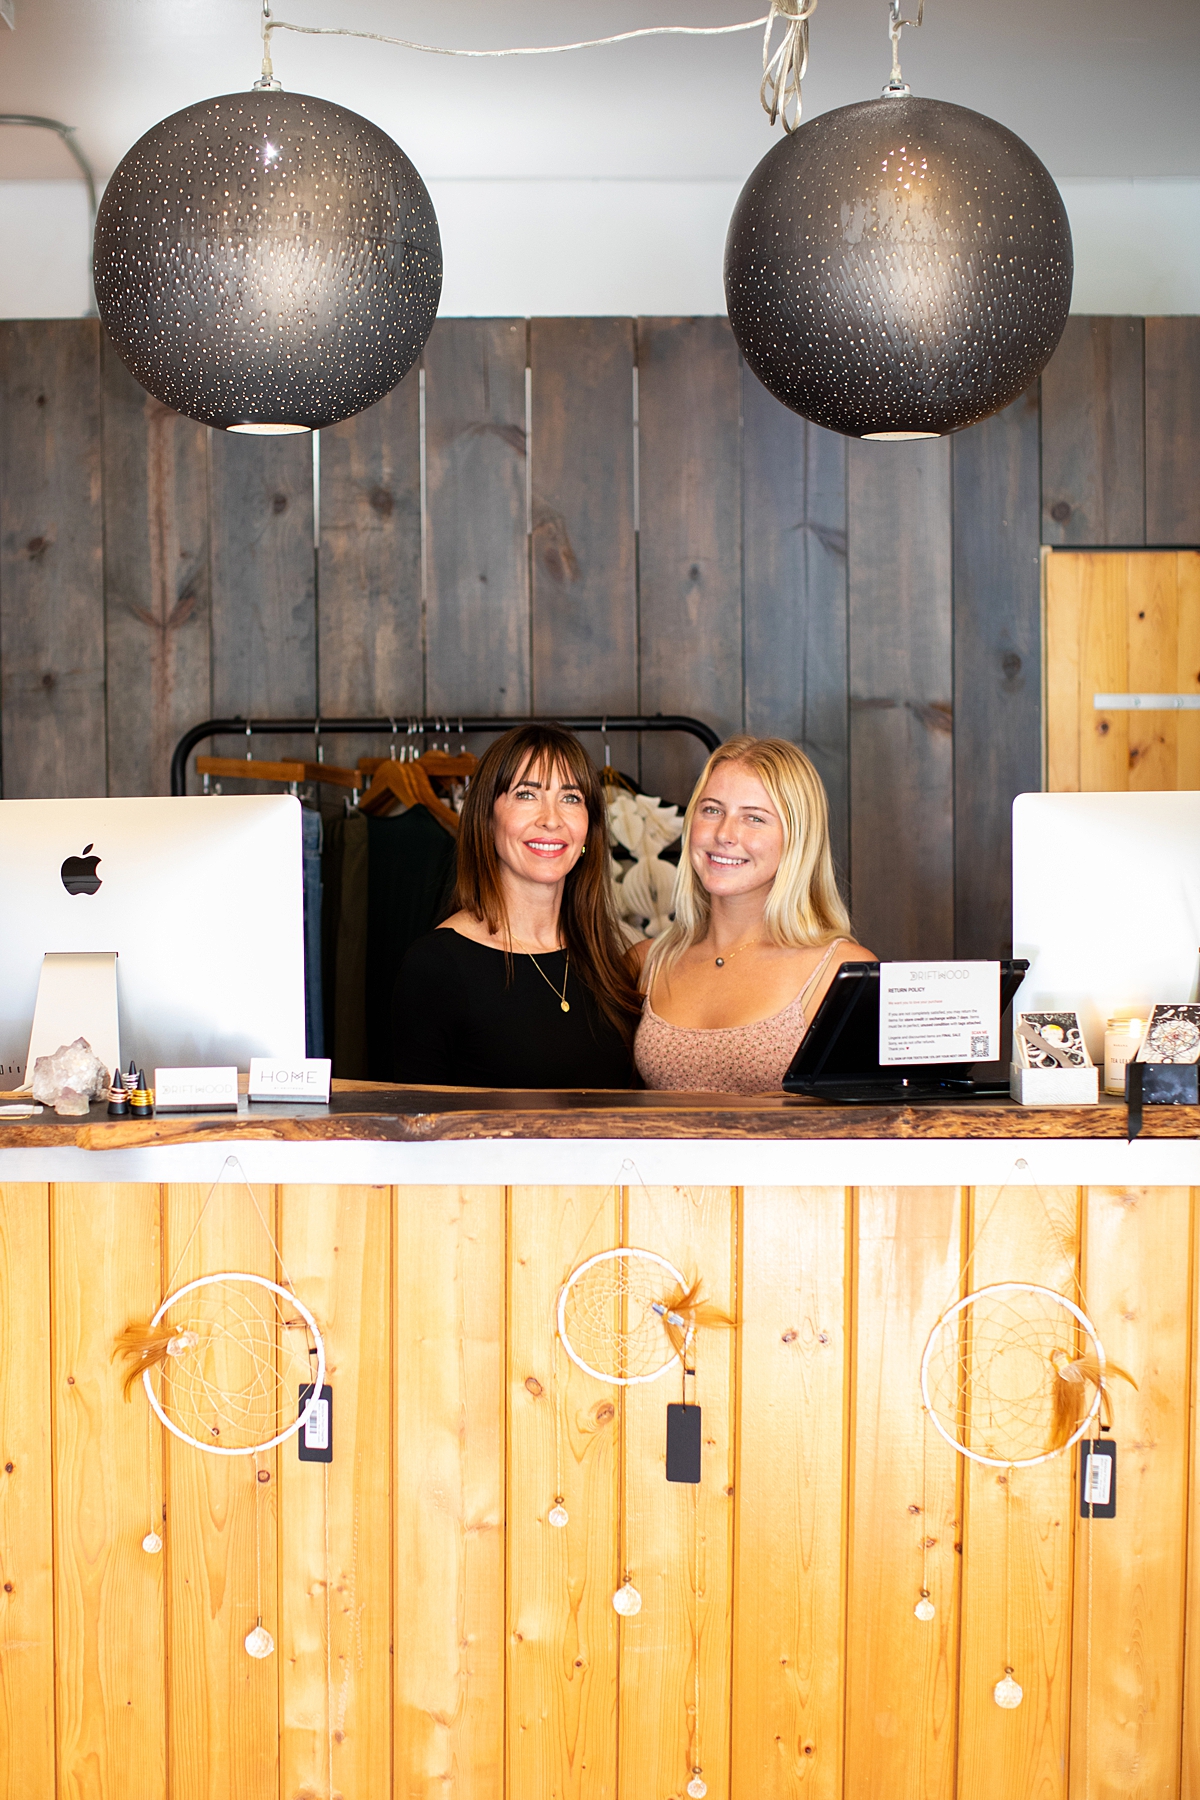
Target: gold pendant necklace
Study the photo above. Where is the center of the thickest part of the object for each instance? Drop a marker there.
(563, 1003)
(722, 960)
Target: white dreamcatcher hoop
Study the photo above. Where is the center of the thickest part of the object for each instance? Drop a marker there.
(614, 1320)
(244, 1330)
(994, 1366)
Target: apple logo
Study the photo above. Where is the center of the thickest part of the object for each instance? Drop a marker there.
(79, 873)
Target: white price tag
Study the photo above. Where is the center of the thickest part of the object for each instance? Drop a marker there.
(305, 1079)
(1097, 1485)
(316, 1427)
(938, 1012)
(195, 1090)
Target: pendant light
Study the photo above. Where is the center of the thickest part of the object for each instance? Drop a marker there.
(267, 262)
(898, 268)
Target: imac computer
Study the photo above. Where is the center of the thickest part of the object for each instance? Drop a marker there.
(202, 901)
(1106, 903)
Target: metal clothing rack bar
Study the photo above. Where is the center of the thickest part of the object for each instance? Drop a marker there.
(403, 723)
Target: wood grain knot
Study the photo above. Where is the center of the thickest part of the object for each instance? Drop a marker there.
(8, 1587)
(70, 1381)
(1011, 664)
(1060, 511)
(41, 400)
(534, 1386)
(48, 680)
(604, 1412)
(264, 1474)
(8, 1468)
(35, 547)
(382, 502)
(789, 1337)
(810, 1749)
(279, 503)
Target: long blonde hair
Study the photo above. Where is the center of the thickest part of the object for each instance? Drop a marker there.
(804, 907)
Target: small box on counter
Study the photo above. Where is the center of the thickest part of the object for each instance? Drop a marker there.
(1165, 1070)
(1051, 1065)
(195, 1090)
(307, 1078)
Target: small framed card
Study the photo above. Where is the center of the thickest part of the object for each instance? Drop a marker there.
(1172, 1036)
(1050, 1040)
(305, 1079)
(1051, 1065)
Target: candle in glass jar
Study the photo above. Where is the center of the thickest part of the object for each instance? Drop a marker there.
(1122, 1041)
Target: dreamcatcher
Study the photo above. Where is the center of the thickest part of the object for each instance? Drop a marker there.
(233, 1365)
(628, 1317)
(1011, 1376)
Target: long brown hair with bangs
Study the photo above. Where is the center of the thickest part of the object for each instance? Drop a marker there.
(587, 919)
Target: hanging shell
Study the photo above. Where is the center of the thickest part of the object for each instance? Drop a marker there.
(627, 1600)
(1008, 1693)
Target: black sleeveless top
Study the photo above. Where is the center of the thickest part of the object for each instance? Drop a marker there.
(470, 1016)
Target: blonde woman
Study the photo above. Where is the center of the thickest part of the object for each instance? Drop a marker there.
(759, 927)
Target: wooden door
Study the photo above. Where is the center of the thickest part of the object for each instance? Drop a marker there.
(1121, 623)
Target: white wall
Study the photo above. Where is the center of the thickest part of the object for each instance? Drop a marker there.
(550, 247)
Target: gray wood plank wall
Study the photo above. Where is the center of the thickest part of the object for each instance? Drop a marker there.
(591, 515)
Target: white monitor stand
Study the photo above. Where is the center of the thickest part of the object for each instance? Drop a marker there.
(76, 998)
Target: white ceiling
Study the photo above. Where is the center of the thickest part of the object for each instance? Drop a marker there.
(1097, 87)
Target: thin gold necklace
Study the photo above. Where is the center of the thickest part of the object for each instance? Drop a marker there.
(564, 1003)
(722, 960)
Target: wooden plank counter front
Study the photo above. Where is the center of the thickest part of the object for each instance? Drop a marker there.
(435, 1636)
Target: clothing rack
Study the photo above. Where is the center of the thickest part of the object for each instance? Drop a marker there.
(405, 725)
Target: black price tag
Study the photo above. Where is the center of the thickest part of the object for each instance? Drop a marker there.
(1097, 1478)
(315, 1437)
(683, 1443)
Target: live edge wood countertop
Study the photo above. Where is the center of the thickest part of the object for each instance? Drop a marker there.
(366, 1112)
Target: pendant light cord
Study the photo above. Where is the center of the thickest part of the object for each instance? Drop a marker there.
(270, 24)
(897, 87)
(784, 70)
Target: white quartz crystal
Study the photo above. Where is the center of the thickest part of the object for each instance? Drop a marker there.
(70, 1079)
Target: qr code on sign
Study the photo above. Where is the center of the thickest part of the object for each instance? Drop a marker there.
(980, 1043)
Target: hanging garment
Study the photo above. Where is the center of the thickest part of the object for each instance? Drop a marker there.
(344, 931)
(643, 827)
(410, 874)
(314, 1009)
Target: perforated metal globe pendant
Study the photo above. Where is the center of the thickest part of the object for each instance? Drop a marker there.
(267, 261)
(899, 268)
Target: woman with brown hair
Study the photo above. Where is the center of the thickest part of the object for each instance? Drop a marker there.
(527, 984)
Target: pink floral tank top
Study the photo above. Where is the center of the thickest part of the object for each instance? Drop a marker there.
(724, 1059)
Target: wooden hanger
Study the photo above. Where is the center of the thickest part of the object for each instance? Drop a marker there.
(410, 784)
(238, 768)
(434, 762)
